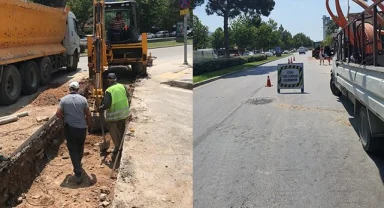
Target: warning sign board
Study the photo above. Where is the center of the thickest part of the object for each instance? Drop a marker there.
(290, 76)
(184, 12)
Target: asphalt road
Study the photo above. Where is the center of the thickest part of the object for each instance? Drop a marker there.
(256, 148)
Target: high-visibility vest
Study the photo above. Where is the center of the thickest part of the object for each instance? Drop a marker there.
(120, 106)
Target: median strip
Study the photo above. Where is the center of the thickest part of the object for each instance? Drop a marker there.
(215, 75)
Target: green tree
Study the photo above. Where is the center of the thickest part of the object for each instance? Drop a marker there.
(230, 9)
(328, 40)
(83, 11)
(263, 36)
(331, 27)
(300, 39)
(200, 38)
(217, 39)
(243, 32)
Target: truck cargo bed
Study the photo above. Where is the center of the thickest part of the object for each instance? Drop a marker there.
(30, 30)
(366, 83)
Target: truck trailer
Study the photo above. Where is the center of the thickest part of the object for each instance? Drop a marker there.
(35, 41)
(358, 74)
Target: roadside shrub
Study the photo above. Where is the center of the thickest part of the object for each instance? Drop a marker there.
(222, 63)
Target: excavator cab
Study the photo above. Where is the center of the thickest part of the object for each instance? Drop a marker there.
(121, 22)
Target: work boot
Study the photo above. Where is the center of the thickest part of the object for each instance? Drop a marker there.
(79, 179)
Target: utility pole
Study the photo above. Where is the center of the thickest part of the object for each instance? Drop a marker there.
(185, 38)
(184, 11)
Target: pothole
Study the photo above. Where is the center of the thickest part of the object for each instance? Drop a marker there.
(261, 101)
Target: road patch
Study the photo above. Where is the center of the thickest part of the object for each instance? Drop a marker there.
(261, 101)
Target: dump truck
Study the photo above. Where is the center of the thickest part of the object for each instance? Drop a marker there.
(109, 47)
(35, 41)
(358, 74)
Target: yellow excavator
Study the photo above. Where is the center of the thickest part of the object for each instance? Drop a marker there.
(109, 47)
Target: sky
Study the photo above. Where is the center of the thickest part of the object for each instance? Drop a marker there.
(295, 15)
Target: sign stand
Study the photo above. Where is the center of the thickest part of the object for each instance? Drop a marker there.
(290, 76)
(184, 11)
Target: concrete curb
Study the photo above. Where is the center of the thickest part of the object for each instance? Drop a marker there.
(179, 84)
(228, 74)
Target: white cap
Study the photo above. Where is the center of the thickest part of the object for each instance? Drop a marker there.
(74, 85)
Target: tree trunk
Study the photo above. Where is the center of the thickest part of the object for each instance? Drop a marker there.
(226, 34)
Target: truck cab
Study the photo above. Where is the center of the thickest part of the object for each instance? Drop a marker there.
(71, 41)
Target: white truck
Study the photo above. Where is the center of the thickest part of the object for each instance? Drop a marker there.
(358, 74)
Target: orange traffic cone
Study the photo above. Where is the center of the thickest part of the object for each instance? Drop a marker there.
(294, 58)
(268, 82)
(289, 61)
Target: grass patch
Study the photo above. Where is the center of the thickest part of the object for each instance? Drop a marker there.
(209, 75)
(152, 45)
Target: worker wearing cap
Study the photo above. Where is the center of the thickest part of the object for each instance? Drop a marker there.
(116, 103)
(73, 108)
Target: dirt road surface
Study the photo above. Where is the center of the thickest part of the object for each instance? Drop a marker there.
(156, 169)
(56, 186)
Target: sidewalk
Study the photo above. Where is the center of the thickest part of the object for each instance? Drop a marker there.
(180, 75)
(156, 165)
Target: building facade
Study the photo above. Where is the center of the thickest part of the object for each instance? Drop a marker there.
(326, 21)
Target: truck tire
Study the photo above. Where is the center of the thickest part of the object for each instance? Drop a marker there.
(139, 70)
(30, 76)
(10, 85)
(370, 144)
(45, 66)
(76, 59)
(334, 89)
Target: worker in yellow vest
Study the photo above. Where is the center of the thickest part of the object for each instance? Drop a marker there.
(117, 106)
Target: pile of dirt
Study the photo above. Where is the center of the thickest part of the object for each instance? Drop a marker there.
(54, 92)
(51, 96)
(56, 185)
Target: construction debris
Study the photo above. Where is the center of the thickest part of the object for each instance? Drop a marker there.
(12, 118)
(42, 118)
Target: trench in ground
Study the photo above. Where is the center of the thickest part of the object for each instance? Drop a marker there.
(40, 172)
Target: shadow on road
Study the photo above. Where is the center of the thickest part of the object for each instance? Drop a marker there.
(259, 70)
(377, 158)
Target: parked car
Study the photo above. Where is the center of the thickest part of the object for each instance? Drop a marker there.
(268, 53)
(285, 52)
(150, 35)
(301, 50)
(172, 34)
(162, 34)
(248, 53)
(83, 44)
(190, 32)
